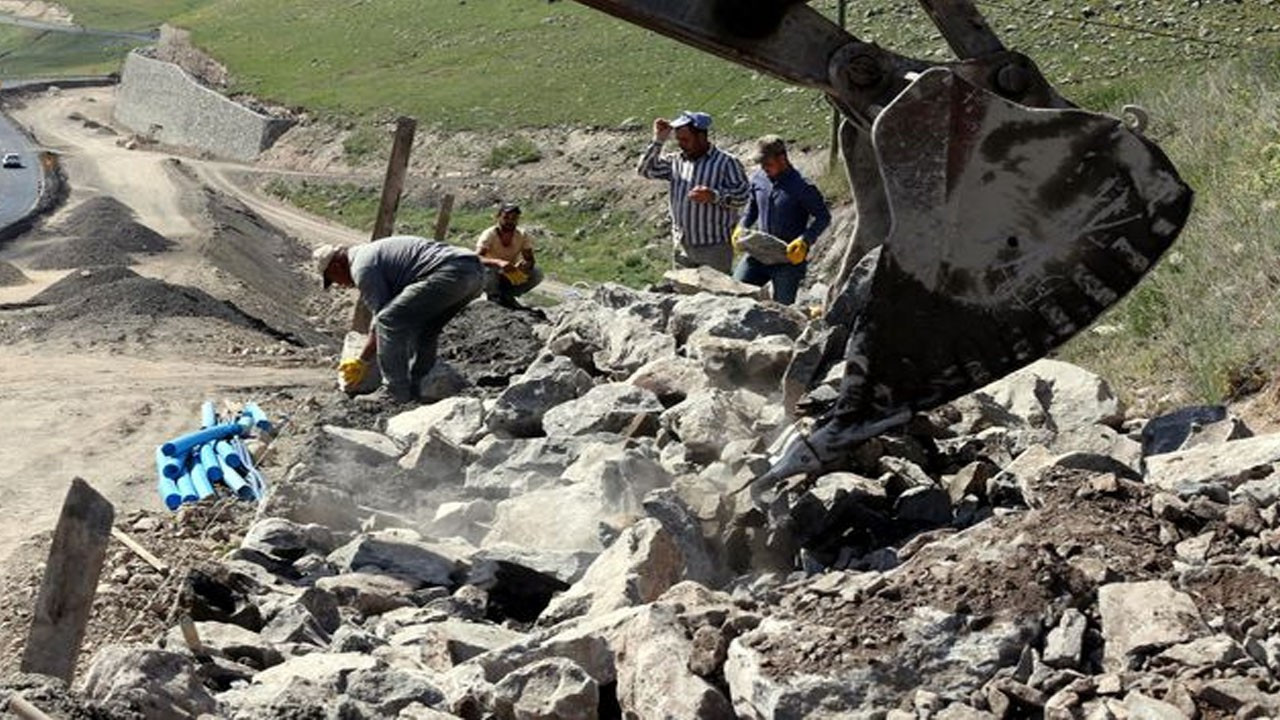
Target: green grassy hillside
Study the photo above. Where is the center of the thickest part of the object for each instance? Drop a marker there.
(498, 65)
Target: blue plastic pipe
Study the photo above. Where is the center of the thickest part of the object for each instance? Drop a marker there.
(208, 417)
(186, 489)
(169, 494)
(236, 483)
(168, 467)
(251, 474)
(227, 455)
(260, 420)
(200, 480)
(209, 463)
(182, 445)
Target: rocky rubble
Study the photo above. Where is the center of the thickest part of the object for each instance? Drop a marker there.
(568, 547)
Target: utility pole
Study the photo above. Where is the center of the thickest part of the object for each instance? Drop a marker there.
(836, 118)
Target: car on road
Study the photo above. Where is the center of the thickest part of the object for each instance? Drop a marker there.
(12, 160)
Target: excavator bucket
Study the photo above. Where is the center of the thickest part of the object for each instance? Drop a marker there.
(1012, 228)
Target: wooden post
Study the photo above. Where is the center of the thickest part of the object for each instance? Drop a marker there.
(70, 583)
(442, 220)
(392, 189)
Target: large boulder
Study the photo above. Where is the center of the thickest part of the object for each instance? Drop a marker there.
(636, 569)
(610, 408)
(732, 317)
(341, 446)
(513, 467)
(629, 342)
(398, 555)
(703, 280)
(434, 459)
(1142, 618)
(654, 676)
(460, 419)
(551, 689)
(1050, 400)
(287, 540)
(709, 419)
(370, 593)
(1247, 464)
(549, 381)
(231, 642)
(671, 380)
(730, 363)
(155, 684)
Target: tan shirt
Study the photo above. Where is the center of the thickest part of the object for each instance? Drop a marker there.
(490, 245)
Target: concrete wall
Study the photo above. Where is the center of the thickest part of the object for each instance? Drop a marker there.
(160, 101)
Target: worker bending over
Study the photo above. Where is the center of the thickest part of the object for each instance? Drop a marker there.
(508, 256)
(413, 287)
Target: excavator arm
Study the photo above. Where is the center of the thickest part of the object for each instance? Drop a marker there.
(1007, 219)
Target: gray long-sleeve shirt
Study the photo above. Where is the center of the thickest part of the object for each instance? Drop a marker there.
(383, 268)
(697, 224)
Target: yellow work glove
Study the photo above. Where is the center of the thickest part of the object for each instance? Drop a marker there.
(736, 237)
(352, 371)
(797, 251)
(516, 276)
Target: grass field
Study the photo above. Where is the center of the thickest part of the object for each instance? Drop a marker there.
(584, 240)
(30, 53)
(493, 65)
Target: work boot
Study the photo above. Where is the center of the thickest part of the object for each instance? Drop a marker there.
(384, 396)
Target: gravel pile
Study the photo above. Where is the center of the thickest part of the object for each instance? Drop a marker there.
(11, 276)
(490, 344)
(100, 231)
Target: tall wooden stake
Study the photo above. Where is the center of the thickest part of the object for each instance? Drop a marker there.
(442, 220)
(836, 118)
(392, 189)
(70, 583)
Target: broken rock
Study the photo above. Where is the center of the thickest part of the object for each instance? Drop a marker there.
(1142, 618)
(460, 419)
(156, 684)
(610, 408)
(551, 689)
(406, 558)
(636, 569)
(550, 381)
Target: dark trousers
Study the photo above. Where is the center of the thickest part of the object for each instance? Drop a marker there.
(409, 326)
(786, 278)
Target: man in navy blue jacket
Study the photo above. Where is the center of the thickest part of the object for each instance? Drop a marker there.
(786, 205)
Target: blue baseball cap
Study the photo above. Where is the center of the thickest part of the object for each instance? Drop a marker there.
(699, 120)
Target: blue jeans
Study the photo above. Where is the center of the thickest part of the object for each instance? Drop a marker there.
(786, 278)
(498, 287)
(409, 326)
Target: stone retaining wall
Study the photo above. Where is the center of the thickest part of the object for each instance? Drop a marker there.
(159, 100)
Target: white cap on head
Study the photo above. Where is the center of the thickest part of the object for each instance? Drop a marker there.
(323, 256)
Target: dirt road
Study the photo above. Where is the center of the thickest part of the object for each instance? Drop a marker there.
(99, 414)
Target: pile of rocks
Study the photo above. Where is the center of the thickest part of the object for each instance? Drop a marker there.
(1025, 550)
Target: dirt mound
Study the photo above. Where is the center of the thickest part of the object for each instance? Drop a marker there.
(100, 231)
(111, 222)
(11, 276)
(113, 296)
(490, 344)
(79, 252)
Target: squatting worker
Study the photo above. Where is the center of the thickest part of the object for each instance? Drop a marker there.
(413, 287)
(508, 256)
(786, 205)
(707, 187)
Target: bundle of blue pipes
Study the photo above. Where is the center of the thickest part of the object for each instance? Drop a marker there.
(193, 466)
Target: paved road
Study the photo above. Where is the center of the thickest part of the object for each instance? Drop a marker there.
(19, 187)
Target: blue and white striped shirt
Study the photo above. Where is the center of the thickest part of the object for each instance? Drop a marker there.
(696, 224)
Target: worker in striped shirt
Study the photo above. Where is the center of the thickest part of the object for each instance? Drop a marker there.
(708, 187)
